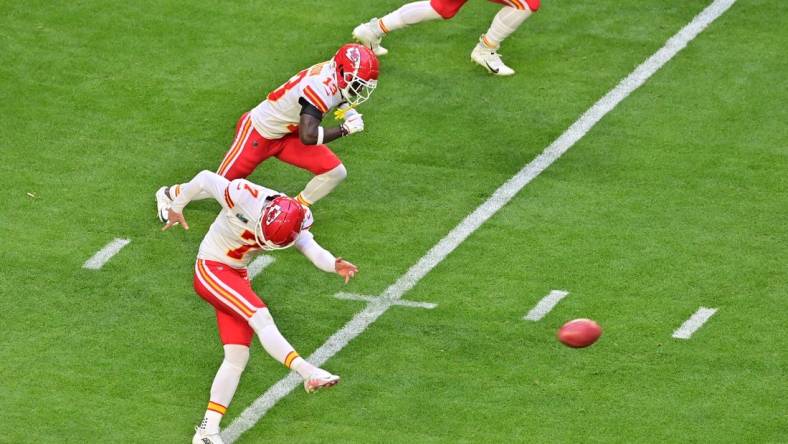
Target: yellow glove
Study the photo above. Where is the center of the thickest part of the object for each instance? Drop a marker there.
(344, 111)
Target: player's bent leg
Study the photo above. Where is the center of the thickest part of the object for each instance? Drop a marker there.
(317, 159)
(248, 150)
(321, 185)
(371, 33)
(277, 346)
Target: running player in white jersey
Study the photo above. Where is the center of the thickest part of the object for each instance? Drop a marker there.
(485, 53)
(287, 124)
(253, 219)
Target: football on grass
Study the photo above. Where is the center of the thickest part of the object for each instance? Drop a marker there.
(579, 333)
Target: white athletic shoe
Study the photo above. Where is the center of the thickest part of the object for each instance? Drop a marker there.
(202, 437)
(320, 379)
(490, 60)
(366, 35)
(162, 204)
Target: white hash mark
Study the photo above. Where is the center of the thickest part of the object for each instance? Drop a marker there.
(695, 322)
(545, 305)
(105, 254)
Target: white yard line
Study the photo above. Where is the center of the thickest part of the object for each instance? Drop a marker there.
(362, 320)
(695, 322)
(105, 254)
(259, 264)
(545, 305)
(361, 297)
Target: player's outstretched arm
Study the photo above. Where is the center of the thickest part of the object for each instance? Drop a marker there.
(204, 182)
(322, 258)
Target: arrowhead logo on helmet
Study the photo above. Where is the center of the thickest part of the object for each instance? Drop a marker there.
(357, 72)
(280, 223)
(353, 55)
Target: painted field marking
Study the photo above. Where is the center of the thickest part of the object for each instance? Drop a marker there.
(404, 303)
(376, 307)
(695, 322)
(544, 306)
(105, 254)
(259, 264)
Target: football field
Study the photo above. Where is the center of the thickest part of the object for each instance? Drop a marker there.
(674, 201)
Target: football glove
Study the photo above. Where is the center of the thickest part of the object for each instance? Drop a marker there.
(353, 123)
(351, 113)
(344, 111)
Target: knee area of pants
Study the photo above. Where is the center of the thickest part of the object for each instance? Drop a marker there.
(338, 173)
(261, 319)
(236, 355)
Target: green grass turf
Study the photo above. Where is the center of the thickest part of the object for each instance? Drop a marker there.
(676, 200)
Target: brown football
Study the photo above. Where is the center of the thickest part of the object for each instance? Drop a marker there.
(579, 333)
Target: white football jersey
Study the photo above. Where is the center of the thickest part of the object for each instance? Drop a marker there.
(279, 114)
(231, 239)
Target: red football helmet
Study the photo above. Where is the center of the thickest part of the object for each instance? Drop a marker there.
(280, 223)
(357, 72)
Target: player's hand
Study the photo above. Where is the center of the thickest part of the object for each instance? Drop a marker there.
(354, 123)
(342, 110)
(351, 113)
(345, 269)
(174, 218)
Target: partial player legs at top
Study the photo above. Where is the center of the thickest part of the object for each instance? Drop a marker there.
(505, 22)
(371, 33)
(485, 53)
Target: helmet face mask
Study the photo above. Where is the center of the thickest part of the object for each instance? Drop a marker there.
(280, 223)
(357, 73)
(358, 90)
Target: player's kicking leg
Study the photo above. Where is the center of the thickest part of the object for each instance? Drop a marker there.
(228, 290)
(372, 32)
(505, 22)
(240, 315)
(317, 159)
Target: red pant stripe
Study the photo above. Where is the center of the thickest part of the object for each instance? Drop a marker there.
(516, 4)
(237, 147)
(226, 295)
(232, 293)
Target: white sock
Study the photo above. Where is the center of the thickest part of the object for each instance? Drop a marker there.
(408, 14)
(173, 192)
(505, 22)
(224, 385)
(322, 184)
(276, 345)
